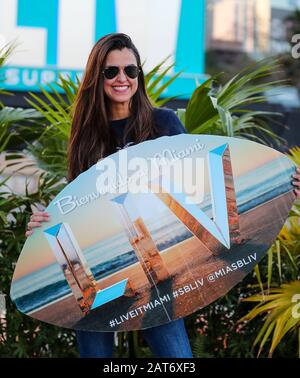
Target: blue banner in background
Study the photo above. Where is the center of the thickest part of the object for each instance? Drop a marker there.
(49, 20)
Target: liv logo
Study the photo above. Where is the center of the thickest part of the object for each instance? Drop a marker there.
(51, 40)
(216, 234)
(224, 228)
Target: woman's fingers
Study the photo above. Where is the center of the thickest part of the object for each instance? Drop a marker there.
(39, 218)
(296, 183)
(33, 224)
(28, 233)
(35, 221)
(41, 214)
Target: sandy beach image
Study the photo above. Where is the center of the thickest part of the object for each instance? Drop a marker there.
(190, 264)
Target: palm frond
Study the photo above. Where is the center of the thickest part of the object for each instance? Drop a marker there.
(199, 349)
(50, 148)
(10, 118)
(5, 53)
(281, 317)
(294, 154)
(55, 108)
(220, 110)
(158, 80)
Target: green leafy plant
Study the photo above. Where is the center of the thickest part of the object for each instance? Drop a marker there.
(5, 52)
(280, 318)
(220, 110)
(294, 154)
(156, 82)
(10, 118)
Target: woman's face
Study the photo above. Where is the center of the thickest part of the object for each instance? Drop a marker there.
(121, 88)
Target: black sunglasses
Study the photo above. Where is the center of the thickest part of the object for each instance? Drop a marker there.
(131, 71)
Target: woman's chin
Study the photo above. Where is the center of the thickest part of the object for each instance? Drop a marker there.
(120, 99)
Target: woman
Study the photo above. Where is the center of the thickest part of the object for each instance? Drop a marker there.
(111, 111)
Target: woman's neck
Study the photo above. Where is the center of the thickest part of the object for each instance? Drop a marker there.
(119, 111)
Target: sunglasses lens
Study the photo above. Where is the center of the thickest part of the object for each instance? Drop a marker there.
(131, 71)
(111, 72)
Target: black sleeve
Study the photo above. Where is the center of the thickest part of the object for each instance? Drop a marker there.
(168, 123)
(176, 127)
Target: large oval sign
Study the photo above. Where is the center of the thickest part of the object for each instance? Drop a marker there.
(153, 233)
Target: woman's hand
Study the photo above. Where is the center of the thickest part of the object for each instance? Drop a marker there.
(35, 221)
(297, 182)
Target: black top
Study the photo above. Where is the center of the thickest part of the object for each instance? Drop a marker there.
(166, 121)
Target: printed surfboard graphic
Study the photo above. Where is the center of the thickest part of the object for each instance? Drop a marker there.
(179, 223)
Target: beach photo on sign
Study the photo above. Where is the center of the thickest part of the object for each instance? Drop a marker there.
(133, 260)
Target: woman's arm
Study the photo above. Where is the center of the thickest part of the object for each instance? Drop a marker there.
(176, 125)
(167, 122)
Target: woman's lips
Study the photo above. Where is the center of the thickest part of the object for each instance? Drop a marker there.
(121, 89)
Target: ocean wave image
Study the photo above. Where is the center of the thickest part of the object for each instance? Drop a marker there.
(151, 242)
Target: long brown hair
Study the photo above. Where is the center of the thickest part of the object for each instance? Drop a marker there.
(91, 137)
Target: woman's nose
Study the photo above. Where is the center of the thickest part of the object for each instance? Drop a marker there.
(121, 75)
